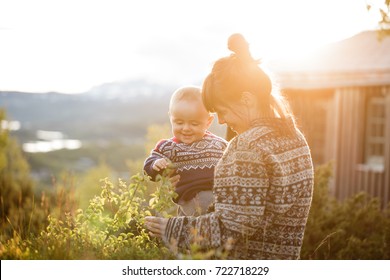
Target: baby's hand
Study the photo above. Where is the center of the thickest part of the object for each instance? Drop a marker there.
(160, 164)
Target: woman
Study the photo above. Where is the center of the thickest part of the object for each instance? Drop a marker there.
(263, 184)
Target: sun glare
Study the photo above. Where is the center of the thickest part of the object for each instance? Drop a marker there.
(61, 48)
(304, 26)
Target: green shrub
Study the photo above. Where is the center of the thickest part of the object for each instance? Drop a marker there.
(111, 227)
(356, 228)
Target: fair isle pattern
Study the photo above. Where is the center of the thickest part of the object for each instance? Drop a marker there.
(201, 154)
(263, 189)
(194, 163)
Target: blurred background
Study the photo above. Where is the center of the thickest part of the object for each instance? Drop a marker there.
(85, 87)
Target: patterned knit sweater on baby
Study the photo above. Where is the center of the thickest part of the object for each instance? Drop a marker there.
(194, 162)
(262, 190)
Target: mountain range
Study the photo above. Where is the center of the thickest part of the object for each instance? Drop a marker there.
(120, 110)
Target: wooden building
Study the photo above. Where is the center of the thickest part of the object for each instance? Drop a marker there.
(341, 98)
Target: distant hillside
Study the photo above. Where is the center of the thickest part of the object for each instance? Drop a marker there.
(115, 110)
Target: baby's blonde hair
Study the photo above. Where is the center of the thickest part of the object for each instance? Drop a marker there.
(188, 93)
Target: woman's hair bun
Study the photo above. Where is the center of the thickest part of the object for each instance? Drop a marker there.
(240, 47)
(238, 44)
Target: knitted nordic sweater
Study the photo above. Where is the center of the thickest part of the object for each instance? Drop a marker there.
(262, 190)
(194, 162)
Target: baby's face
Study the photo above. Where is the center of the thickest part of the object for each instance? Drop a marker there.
(189, 120)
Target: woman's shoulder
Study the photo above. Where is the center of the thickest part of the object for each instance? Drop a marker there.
(265, 134)
(253, 134)
(276, 126)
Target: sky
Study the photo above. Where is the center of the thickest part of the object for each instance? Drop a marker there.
(73, 45)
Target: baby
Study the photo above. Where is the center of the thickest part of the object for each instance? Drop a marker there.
(193, 151)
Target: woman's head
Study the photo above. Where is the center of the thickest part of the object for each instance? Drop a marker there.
(236, 78)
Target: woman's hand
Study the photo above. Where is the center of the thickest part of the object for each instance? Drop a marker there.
(156, 225)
